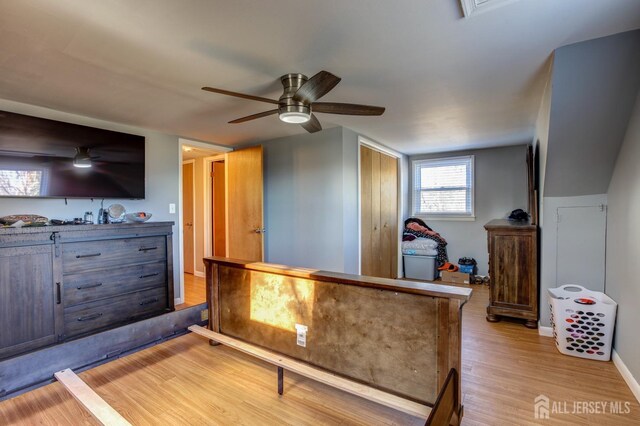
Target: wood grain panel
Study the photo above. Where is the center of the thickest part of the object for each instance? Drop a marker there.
(376, 240)
(91, 255)
(514, 271)
(28, 296)
(93, 316)
(366, 212)
(378, 213)
(244, 204)
(389, 215)
(89, 286)
(188, 216)
(359, 332)
(219, 210)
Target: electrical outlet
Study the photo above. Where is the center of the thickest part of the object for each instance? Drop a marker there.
(204, 315)
(172, 208)
(301, 335)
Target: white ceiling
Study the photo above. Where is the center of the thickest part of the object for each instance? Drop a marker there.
(447, 82)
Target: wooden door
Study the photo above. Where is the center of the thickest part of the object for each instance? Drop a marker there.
(187, 217)
(219, 209)
(245, 228)
(379, 213)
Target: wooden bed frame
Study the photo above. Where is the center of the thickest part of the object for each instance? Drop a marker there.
(392, 341)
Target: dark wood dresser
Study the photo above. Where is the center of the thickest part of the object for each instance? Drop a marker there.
(513, 268)
(58, 283)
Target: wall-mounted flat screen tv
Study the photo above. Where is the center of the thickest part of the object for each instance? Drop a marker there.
(48, 158)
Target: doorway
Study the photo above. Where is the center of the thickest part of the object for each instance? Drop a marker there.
(202, 196)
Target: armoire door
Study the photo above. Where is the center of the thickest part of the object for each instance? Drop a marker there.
(378, 213)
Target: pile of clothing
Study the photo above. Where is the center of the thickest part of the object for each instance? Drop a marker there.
(417, 232)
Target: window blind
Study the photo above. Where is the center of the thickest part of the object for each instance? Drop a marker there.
(443, 186)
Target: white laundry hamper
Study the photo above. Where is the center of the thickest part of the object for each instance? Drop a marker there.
(583, 321)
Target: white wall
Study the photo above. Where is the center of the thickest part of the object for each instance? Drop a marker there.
(161, 170)
(594, 87)
(548, 248)
(623, 244)
(500, 187)
(309, 201)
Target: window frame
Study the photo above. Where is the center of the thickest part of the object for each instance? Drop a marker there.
(419, 164)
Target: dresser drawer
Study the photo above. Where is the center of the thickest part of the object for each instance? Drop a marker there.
(83, 256)
(93, 316)
(91, 286)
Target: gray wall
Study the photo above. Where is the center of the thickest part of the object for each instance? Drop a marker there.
(311, 201)
(623, 245)
(500, 187)
(594, 85)
(548, 246)
(161, 178)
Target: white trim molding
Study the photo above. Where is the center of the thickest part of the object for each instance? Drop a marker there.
(198, 274)
(545, 331)
(473, 7)
(626, 374)
(178, 301)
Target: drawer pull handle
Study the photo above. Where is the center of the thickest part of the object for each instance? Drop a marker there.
(148, 302)
(150, 275)
(147, 248)
(89, 317)
(84, 287)
(58, 294)
(80, 256)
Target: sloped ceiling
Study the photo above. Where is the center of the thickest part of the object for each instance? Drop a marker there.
(447, 82)
(594, 89)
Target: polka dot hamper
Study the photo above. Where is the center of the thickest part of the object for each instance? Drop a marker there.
(583, 321)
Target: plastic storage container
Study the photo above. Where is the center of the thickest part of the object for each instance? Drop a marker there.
(467, 269)
(583, 321)
(420, 267)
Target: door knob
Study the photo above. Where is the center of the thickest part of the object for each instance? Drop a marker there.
(260, 230)
(188, 224)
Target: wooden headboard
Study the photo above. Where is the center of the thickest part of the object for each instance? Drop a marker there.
(399, 336)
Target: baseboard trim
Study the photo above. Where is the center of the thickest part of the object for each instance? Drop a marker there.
(626, 374)
(178, 301)
(199, 274)
(545, 331)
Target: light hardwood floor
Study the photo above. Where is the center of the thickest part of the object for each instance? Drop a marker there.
(195, 292)
(186, 381)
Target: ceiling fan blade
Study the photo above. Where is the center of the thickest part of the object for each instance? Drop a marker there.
(346, 109)
(254, 116)
(316, 87)
(313, 125)
(240, 95)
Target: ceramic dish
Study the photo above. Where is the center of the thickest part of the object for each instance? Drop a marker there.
(138, 216)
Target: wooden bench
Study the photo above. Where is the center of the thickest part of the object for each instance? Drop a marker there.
(440, 414)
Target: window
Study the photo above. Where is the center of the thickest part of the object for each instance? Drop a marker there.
(443, 187)
(23, 182)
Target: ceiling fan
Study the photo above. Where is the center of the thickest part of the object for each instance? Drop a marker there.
(298, 101)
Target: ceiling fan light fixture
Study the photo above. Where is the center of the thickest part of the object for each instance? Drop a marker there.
(294, 117)
(82, 159)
